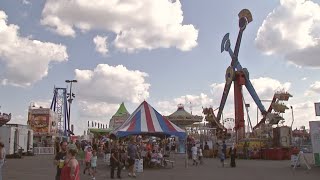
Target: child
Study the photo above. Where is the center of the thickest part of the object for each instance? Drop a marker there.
(200, 155)
(93, 161)
(88, 155)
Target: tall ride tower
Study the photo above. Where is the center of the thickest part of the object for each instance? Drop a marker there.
(59, 105)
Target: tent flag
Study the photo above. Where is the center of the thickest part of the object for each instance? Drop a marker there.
(146, 120)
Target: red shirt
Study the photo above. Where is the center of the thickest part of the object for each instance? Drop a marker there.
(66, 170)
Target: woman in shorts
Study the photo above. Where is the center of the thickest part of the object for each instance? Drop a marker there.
(88, 155)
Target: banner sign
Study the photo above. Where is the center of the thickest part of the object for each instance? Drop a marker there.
(315, 140)
(39, 123)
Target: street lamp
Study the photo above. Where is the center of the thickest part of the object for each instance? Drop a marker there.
(70, 97)
(292, 116)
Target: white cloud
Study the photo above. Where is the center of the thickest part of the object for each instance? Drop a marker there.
(192, 103)
(26, 2)
(112, 84)
(100, 91)
(265, 87)
(303, 112)
(97, 109)
(101, 44)
(18, 119)
(42, 103)
(293, 30)
(303, 106)
(137, 24)
(25, 60)
(304, 78)
(313, 89)
(93, 111)
(165, 107)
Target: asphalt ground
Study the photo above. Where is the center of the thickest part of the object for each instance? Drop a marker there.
(41, 167)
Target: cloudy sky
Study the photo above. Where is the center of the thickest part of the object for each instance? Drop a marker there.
(166, 52)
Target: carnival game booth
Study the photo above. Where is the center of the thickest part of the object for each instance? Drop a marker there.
(44, 123)
(146, 121)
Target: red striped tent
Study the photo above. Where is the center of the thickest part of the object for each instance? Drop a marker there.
(146, 120)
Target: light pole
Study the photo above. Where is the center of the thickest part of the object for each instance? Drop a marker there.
(291, 124)
(70, 97)
(292, 116)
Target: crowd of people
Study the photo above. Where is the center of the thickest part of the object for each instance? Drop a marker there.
(220, 151)
(119, 155)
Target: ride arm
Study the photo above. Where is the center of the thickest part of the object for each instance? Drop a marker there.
(245, 18)
(263, 120)
(226, 90)
(248, 84)
(231, 68)
(254, 95)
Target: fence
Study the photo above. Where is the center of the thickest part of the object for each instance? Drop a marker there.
(43, 150)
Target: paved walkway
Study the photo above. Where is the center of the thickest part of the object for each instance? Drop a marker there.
(41, 167)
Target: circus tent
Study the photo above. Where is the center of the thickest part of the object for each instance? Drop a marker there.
(146, 120)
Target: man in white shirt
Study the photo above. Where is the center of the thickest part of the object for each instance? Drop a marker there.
(194, 151)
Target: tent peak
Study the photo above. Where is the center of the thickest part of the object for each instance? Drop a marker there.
(122, 110)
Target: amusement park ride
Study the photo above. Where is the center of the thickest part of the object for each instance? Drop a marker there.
(239, 76)
(4, 118)
(60, 105)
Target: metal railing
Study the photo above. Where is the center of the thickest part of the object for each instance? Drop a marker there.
(43, 150)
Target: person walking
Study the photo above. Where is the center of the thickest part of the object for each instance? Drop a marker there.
(206, 146)
(80, 154)
(123, 156)
(224, 149)
(221, 154)
(88, 155)
(60, 158)
(57, 146)
(132, 154)
(71, 170)
(93, 162)
(115, 162)
(233, 153)
(200, 154)
(194, 151)
(2, 157)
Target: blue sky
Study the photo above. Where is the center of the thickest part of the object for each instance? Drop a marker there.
(167, 52)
